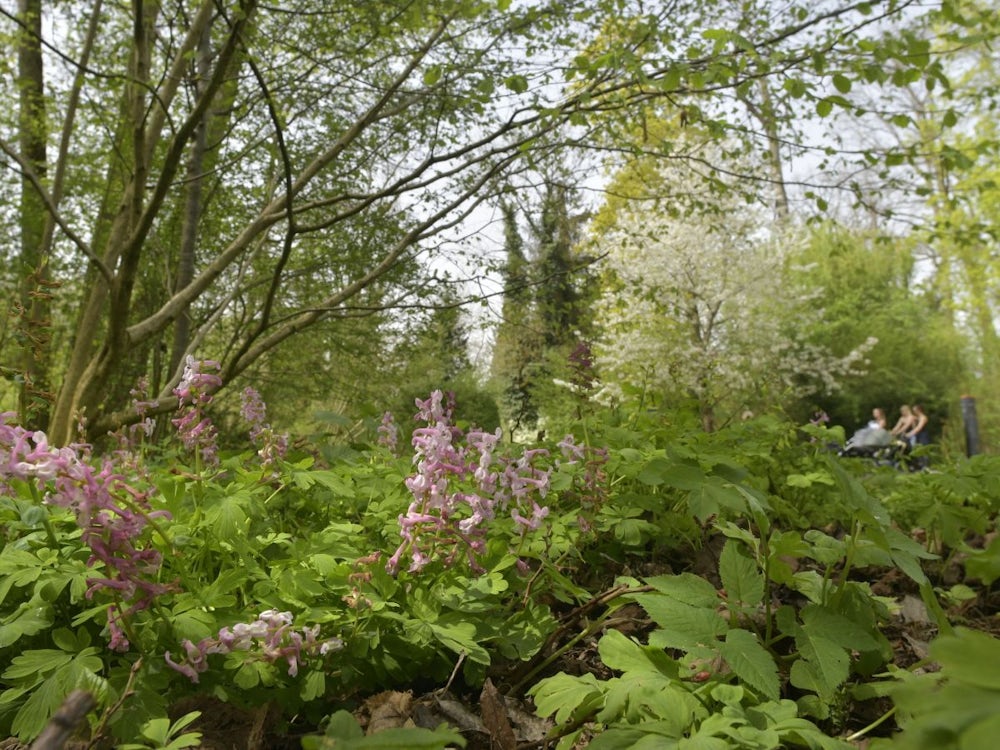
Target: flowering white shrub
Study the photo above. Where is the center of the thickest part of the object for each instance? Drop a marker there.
(707, 306)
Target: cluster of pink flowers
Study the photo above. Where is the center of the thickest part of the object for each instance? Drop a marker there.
(590, 489)
(388, 432)
(459, 488)
(270, 445)
(194, 393)
(112, 514)
(271, 635)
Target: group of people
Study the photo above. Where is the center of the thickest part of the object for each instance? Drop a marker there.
(910, 428)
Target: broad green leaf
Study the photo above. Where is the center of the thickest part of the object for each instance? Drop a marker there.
(314, 685)
(228, 518)
(687, 588)
(516, 83)
(982, 734)
(625, 655)
(683, 627)
(823, 622)
(751, 662)
(970, 656)
(741, 577)
(563, 696)
(824, 665)
(842, 83)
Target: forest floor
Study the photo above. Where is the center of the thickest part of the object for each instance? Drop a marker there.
(492, 718)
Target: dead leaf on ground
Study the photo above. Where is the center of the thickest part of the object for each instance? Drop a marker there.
(495, 718)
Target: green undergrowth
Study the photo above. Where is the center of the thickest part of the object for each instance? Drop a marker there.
(742, 563)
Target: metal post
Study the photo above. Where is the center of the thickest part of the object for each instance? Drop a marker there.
(971, 425)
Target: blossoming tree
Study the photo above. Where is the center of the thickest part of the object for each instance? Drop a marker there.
(705, 305)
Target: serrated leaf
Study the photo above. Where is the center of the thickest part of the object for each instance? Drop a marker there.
(741, 577)
(619, 652)
(823, 666)
(564, 696)
(823, 622)
(751, 662)
(687, 588)
(683, 626)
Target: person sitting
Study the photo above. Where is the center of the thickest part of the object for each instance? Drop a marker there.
(878, 419)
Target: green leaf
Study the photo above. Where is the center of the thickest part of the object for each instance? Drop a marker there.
(970, 656)
(38, 709)
(564, 696)
(228, 518)
(625, 655)
(842, 83)
(682, 626)
(751, 662)
(823, 622)
(824, 665)
(455, 632)
(516, 83)
(37, 662)
(314, 686)
(30, 618)
(432, 75)
(687, 588)
(824, 107)
(741, 577)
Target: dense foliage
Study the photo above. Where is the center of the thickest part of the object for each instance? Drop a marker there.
(266, 578)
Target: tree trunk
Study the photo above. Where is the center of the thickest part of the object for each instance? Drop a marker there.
(34, 303)
(192, 208)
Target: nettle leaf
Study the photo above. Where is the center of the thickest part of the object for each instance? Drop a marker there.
(751, 662)
(687, 588)
(620, 652)
(564, 696)
(690, 627)
(741, 577)
(824, 665)
(823, 622)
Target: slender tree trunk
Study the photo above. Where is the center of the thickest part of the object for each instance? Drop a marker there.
(193, 207)
(34, 303)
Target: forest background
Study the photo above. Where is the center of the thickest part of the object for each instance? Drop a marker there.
(720, 209)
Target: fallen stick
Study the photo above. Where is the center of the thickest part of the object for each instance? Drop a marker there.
(65, 721)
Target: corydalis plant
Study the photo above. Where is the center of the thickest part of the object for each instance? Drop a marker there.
(113, 515)
(459, 487)
(194, 394)
(270, 446)
(271, 637)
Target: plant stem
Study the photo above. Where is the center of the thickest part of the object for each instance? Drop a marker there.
(880, 720)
